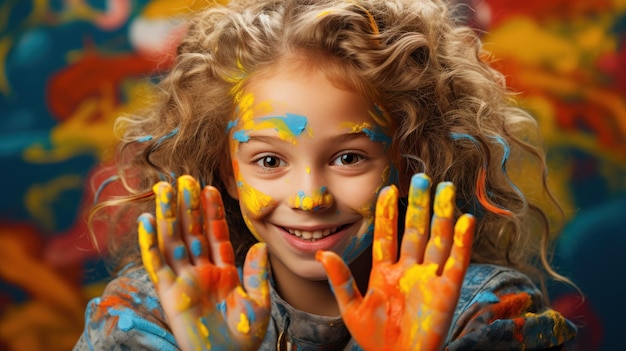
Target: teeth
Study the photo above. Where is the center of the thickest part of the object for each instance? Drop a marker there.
(312, 235)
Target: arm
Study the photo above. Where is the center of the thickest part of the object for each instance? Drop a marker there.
(127, 316)
(507, 311)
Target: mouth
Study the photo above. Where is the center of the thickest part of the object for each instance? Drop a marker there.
(313, 235)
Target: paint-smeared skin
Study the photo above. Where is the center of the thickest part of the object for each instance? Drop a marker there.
(194, 272)
(410, 301)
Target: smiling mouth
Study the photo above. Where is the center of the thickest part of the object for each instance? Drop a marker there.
(314, 234)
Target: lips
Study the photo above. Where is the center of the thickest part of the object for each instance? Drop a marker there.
(313, 234)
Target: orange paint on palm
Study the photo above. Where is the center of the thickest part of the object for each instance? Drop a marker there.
(222, 279)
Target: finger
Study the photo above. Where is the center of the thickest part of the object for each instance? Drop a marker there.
(170, 242)
(216, 229)
(438, 246)
(255, 270)
(190, 215)
(461, 252)
(151, 256)
(385, 246)
(346, 291)
(416, 220)
(246, 318)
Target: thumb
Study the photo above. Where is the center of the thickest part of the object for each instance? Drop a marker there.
(346, 291)
(255, 270)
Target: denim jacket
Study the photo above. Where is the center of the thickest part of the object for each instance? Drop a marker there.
(499, 309)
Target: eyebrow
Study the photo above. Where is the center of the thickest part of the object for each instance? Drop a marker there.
(276, 139)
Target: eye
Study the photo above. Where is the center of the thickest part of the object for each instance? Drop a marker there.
(270, 161)
(348, 159)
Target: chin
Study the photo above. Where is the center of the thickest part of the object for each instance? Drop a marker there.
(313, 271)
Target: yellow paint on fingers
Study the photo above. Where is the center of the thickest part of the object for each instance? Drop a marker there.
(244, 324)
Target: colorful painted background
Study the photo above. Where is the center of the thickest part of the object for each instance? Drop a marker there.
(69, 67)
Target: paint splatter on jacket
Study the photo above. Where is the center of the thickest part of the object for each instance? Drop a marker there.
(499, 309)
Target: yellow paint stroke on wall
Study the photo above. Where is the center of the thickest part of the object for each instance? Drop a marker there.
(81, 133)
(530, 44)
(40, 198)
(167, 8)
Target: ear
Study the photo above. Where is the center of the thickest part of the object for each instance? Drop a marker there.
(228, 177)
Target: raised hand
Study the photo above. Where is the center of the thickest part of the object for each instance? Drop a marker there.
(191, 262)
(410, 301)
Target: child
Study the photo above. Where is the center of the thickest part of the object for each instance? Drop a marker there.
(306, 120)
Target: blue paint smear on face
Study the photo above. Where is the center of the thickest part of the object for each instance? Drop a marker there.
(231, 124)
(241, 136)
(378, 134)
(295, 123)
(358, 245)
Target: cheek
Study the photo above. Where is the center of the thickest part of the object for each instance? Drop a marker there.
(254, 201)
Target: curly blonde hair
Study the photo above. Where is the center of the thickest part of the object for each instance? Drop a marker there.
(453, 115)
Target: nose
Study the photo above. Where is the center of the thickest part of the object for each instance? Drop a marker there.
(317, 200)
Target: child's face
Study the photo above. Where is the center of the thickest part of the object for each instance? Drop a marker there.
(308, 159)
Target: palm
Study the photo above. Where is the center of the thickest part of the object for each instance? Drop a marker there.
(410, 302)
(191, 261)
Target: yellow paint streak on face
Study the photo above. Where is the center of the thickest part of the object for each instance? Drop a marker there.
(252, 229)
(356, 128)
(308, 170)
(310, 202)
(380, 119)
(275, 123)
(366, 210)
(145, 243)
(254, 200)
(444, 202)
(244, 324)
